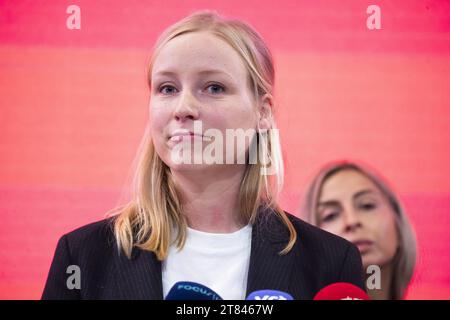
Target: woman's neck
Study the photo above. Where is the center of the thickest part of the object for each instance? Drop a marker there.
(386, 282)
(210, 201)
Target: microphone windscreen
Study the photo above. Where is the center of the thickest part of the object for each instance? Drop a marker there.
(341, 291)
(185, 290)
(269, 295)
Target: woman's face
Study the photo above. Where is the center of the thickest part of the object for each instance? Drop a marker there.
(353, 207)
(197, 77)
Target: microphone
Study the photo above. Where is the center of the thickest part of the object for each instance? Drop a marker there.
(185, 290)
(269, 295)
(341, 291)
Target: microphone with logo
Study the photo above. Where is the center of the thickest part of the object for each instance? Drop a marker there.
(269, 295)
(186, 290)
(341, 291)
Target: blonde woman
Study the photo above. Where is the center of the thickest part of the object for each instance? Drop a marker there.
(211, 223)
(352, 201)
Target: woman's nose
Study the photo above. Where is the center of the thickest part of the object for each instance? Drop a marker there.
(351, 221)
(187, 107)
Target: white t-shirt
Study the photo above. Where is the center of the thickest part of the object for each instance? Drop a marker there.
(219, 261)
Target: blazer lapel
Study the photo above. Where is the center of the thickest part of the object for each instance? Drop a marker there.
(268, 270)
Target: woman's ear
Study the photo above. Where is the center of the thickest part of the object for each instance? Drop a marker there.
(265, 112)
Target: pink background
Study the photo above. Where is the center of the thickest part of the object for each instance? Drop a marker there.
(73, 108)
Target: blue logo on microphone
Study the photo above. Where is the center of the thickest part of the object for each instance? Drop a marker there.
(269, 295)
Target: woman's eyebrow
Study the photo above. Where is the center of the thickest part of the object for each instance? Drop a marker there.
(215, 71)
(363, 192)
(203, 72)
(331, 203)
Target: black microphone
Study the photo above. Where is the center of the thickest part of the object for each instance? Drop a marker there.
(185, 290)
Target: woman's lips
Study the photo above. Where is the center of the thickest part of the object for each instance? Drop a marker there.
(180, 137)
(363, 245)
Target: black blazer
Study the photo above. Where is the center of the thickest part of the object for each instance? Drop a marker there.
(318, 259)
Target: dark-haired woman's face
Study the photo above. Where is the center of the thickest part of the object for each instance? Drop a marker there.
(198, 77)
(353, 207)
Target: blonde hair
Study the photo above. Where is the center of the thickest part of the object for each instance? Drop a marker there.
(155, 210)
(405, 258)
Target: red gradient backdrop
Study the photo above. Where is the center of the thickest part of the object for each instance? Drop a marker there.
(73, 106)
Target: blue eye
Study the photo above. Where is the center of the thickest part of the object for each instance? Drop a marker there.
(165, 86)
(216, 86)
(168, 89)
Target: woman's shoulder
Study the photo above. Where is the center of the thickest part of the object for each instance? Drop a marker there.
(95, 235)
(89, 248)
(315, 250)
(307, 233)
(97, 229)
(334, 258)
